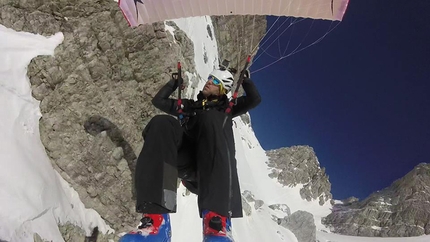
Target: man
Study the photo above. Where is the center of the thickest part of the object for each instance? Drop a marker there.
(201, 152)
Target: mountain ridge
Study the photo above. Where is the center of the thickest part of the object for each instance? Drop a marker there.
(400, 210)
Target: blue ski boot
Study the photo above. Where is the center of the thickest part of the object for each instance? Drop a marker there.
(216, 228)
(152, 228)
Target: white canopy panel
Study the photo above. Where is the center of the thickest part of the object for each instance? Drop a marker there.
(148, 11)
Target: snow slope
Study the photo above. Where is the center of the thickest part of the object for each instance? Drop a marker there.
(34, 198)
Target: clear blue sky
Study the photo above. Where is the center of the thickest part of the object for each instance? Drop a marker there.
(360, 97)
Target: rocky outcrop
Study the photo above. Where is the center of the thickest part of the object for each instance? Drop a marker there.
(281, 207)
(401, 210)
(302, 224)
(72, 233)
(95, 94)
(249, 199)
(238, 37)
(299, 165)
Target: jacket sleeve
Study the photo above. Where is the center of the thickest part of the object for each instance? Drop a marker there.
(248, 101)
(162, 101)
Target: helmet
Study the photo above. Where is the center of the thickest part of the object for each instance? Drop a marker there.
(225, 77)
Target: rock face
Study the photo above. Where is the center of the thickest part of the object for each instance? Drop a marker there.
(96, 93)
(302, 224)
(237, 37)
(299, 165)
(401, 210)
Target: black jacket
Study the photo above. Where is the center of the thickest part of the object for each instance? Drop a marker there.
(202, 152)
(191, 107)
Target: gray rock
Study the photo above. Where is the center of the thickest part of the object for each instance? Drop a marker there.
(72, 233)
(299, 165)
(105, 74)
(92, 191)
(246, 207)
(229, 32)
(118, 153)
(122, 165)
(258, 204)
(247, 199)
(401, 210)
(248, 196)
(302, 224)
(282, 207)
(96, 94)
(350, 200)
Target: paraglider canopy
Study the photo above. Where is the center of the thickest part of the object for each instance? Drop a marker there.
(149, 11)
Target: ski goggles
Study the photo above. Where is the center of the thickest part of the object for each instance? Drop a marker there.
(214, 80)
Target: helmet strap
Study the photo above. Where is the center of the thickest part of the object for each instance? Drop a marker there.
(222, 90)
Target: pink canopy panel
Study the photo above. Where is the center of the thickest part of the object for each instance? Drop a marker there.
(148, 11)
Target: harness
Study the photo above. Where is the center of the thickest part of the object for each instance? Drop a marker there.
(219, 103)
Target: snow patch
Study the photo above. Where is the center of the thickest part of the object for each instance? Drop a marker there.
(33, 196)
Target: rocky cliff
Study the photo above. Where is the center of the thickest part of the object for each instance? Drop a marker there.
(238, 37)
(95, 94)
(299, 165)
(400, 210)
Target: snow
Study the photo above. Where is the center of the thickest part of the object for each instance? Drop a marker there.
(34, 198)
(196, 29)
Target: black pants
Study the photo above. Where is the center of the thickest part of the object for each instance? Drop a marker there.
(203, 155)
